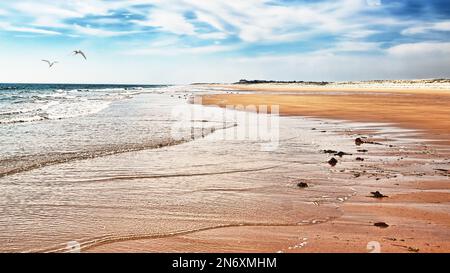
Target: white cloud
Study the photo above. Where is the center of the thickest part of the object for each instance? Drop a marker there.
(356, 47)
(8, 27)
(212, 36)
(423, 28)
(172, 50)
(416, 50)
(43, 9)
(210, 20)
(48, 13)
(168, 21)
(48, 22)
(252, 21)
(100, 32)
(374, 3)
(359, 34)
(172, 46)
(258, 21)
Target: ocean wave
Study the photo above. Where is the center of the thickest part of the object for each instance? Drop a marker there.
(25, 108)
(53, 110)
(9, 113)
(59, 103)
(22, 119)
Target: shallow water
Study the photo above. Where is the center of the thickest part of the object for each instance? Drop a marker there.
(125, 119)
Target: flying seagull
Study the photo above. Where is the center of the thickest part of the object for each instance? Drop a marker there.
(75, 52)
(50, 64)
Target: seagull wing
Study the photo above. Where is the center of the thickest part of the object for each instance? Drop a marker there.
(82, 54)
(48, 62)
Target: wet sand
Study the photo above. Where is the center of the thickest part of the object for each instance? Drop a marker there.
(409, 166)
(417, 212)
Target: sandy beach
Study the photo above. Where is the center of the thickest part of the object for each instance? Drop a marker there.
(410, 167)
(418, 107)
(217, 189)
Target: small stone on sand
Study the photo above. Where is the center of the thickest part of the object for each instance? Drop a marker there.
(358, 141)
(341, 154)
(381, 224)
(377, 194)
(413, 249)
(332, 161)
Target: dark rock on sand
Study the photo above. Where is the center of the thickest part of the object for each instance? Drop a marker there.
(377, 194)
(341, 154)
(363, 151)
(413, 249)
(332, 161)
(381, 224)
(302, 185)
(329, 151)
(358, 141)
(359, 159)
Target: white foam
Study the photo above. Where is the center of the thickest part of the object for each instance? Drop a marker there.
(77, 109)
(61, 104)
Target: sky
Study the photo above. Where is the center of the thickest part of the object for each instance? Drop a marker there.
(185, 41)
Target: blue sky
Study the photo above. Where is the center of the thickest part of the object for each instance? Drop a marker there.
(183, 41)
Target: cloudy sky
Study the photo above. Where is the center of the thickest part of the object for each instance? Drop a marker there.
(183, 41)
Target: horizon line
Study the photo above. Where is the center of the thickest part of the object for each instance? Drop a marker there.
(235, 82)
